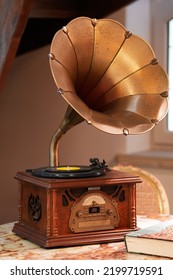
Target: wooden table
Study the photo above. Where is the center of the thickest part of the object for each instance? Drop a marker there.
(14, 247)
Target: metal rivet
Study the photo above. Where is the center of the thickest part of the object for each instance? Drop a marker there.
(128, 34)
(94, 21)
(155, 121)
(164, 94)
(60, 90)
(65, 29)
(154, 61)
(90, 118)
(125, 131)
(51, 56)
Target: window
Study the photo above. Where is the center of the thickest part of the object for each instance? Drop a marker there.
(162, 42)
(170, 73)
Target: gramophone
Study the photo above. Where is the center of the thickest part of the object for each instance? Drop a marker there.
(112, 80)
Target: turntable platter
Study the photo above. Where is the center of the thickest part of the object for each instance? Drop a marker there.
(95, 169)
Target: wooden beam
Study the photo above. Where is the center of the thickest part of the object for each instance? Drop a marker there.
(100, 9)
(54, 9)
(14, 15)
(13, 18)
(74, 8)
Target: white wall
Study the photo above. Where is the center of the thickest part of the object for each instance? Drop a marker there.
(138, 19)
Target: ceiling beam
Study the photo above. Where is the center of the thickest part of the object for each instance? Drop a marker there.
(14, 15)
(54, 9)
(13, 18)
(74, 8)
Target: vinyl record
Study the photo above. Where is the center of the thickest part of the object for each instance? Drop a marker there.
(69, 171)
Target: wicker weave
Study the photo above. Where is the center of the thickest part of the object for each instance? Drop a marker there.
(151, 197)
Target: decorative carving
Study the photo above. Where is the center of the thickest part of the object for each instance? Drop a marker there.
(34, 207)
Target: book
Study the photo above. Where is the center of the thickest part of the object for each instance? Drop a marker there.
(153, 240)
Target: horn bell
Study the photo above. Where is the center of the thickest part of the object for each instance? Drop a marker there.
(108, 76)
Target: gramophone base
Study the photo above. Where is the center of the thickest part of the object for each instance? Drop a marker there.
(68, 212)
(95, 237)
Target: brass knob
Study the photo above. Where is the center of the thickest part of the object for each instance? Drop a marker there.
(109, 211)
(79, 213)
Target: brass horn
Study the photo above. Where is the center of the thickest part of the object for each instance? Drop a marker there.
(109, 77)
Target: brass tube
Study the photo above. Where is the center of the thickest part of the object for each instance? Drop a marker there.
(71, 119)
(54, 148)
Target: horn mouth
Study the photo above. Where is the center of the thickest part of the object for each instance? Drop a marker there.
(106, 74)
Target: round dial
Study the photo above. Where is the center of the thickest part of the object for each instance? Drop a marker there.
(93, 199)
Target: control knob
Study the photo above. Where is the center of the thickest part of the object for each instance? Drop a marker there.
(79, 213)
